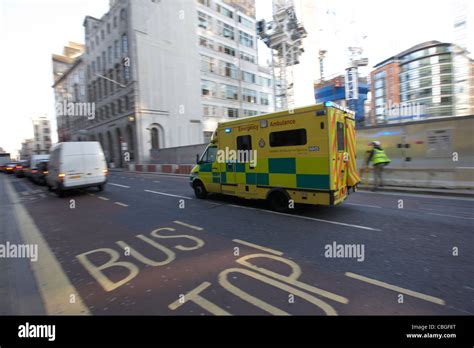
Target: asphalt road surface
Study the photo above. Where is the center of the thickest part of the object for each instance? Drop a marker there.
(146, 245)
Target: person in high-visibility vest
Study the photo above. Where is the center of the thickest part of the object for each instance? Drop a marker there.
(379, 160)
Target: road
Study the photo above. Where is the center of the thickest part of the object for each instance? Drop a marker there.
(146, 246)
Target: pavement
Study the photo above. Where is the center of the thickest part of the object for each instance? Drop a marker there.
(146, 245)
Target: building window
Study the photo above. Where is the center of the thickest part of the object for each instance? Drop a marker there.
(209, 110)
(205, 2)
(227, 50)
(112, 109)
(229, 92)
(115, 22)
(108, 28)
(127, 103)
(249, 96)
(225, 30)
(292, 137)
(119, 104)
(116, 48)
(104, 61)
(250, 112)
(264, 98)
(208, 64)
(246, 39)
(204, 21)
(247, 57)
(102, 34)
(124, 44)
(246, 22)
(229, 70)
(123, 14)
(155, 143)
(109, 54)
(224, 11)
(248, 77)
(208, 88)
(232, 112)
(205, 42)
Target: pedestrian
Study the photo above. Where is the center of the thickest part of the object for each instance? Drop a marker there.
(379, 160)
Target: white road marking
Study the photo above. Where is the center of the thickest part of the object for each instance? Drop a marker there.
(53, 283)
(103, 198)
(24, 193)
(124, 186)
(310, 218)
(454, 216)
(197, 228)
(396, 288)
(256, 246)
(364, 205)
(121, 204)
(91, 194)
(167, 194)
(43, 195)
(156, 182)
(417, 195)
(214, 203)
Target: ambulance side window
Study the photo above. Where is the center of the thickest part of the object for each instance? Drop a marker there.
(340, 136)
(244, 142)
(210, 155)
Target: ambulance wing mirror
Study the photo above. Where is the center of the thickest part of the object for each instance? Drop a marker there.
(197, 158)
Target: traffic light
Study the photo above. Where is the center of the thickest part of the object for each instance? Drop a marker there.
(262, 28)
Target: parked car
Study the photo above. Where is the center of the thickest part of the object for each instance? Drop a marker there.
(20, 169)
(33, 169)
(38, 175)
(10, 167)
(75, 165)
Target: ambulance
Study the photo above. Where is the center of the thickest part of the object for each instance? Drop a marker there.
(305, 155)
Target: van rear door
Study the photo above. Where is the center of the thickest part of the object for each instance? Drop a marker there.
(72, 165)
(94, 163)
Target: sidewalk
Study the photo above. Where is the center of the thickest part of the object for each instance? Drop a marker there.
(420, 190)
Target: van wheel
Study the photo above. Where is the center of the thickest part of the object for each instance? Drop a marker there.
(278, 201)
(200, 190)
(101, 188)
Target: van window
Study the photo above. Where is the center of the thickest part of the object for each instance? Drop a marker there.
(244, 142)
(210, 155)
(292, 137)
(340, 136)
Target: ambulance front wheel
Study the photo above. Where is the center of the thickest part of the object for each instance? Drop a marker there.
(199, 190)
(279, 201)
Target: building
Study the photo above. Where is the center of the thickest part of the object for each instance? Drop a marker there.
(334, 90)
(69, 87)
(26, 149)
(232, 83)
(163, 73)
(41, 143)
(385, 87)
(433, 81)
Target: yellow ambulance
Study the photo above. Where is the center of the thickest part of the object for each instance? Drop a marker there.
(305, 155)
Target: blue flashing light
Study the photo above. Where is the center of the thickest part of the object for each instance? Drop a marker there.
(328, 103)
(227, 130)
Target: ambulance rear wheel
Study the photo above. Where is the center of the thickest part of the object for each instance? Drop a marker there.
(200, 190)
(279, 201)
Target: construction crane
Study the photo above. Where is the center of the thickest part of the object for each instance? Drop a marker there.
(284, 37)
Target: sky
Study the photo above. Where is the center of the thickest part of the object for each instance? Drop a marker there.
(32, 30)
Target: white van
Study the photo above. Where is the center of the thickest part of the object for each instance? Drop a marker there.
(76, 165)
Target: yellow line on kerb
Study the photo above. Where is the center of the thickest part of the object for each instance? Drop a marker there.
(397, 288)
(54, 285)
(256, 246)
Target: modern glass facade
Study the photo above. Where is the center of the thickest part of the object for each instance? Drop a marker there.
(427, 79)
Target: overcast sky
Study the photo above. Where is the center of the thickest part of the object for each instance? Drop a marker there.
(31, 30)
